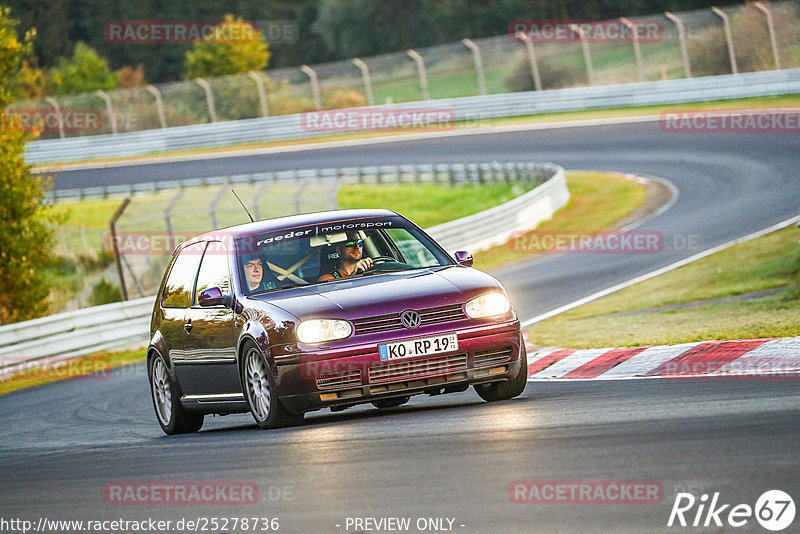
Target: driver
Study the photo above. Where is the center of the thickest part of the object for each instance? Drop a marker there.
(255, 276)
(351, 258)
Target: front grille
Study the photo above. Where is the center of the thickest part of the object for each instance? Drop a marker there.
(483, 358)
(391, 321)
(414, 368)
(339, 380)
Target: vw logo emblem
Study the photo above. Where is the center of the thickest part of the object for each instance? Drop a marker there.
(410, 319)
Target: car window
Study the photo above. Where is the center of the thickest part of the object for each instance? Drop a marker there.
(414, 252)
(313, 254)
(214, 269)
(181, 277)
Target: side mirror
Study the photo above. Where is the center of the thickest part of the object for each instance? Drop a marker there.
(464, 258)
(212, 296)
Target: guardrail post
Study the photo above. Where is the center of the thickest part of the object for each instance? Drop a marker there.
(262, 94)
(153, 90)
(637, 51)
(338, 181)
(212, 208)
(212, 111)
(726, 23)
(423, 74)
(537, 79)
(115, 246)
(367, 80)
(136, 282)
(587, 56)
(476, 57)
(257, 199)
(298, 195)
(312, 75)
(109, 109)
(771, 28)
(53, 102)
(168, 216)
(681, 41)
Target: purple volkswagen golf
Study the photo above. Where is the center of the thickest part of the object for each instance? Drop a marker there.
(324, 310)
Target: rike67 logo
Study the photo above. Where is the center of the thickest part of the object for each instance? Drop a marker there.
(774, 510)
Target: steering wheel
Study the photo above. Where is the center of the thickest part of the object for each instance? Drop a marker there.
(383, 258)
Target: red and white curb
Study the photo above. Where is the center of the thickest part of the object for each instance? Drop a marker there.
(768, 358)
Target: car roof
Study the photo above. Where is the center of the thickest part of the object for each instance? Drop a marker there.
(292, 221)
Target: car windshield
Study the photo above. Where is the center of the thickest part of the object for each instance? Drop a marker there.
(327, 251)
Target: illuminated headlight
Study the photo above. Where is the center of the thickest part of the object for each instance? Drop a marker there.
(321, 330)
(488, 305)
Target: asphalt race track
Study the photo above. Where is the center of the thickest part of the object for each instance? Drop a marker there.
(456, 457)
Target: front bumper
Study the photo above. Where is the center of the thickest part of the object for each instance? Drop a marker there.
(355, 375)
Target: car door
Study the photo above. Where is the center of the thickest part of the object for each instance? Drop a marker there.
(176, 299)
(209, 366)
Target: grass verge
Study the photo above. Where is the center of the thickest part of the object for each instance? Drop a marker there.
(421, 203)
(597, 201)
(694, 293)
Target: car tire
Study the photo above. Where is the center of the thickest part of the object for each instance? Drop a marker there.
(390, 403)
(261, 393)
(166, 401)
(496, 391)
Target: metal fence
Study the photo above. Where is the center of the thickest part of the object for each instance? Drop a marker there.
(475, 111)
(125, 324)
(737, 39)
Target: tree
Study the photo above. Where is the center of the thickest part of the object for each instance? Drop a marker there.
(26, 238)
(84, 72)
(235, 47)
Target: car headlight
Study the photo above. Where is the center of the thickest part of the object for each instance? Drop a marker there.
(488, 305)
(321, 330)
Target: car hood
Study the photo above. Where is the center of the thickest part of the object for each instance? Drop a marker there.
(383, 293)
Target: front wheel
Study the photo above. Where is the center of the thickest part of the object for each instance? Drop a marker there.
(496, 391)
(166, 401)
(262, 396)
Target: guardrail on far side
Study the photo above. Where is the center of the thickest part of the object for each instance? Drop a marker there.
(477, 108)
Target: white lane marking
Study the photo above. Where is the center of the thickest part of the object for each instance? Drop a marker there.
(647, 360)
(652, 274)
(570, 363)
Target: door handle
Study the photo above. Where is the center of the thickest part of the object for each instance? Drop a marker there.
(188, 327)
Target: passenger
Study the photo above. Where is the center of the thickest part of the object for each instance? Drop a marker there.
(257, 279)
(351, 260)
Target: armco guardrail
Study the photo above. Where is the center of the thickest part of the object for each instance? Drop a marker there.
(126, 324)
(493, 226)
(287, 127)
(413, 173)
(75, 333)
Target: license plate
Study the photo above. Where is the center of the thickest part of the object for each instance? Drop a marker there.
(424, 346)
